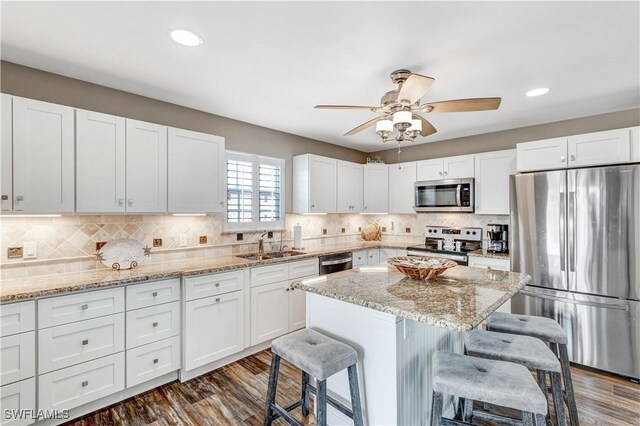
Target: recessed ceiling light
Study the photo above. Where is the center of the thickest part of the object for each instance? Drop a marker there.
(538, 92)
(186, 38)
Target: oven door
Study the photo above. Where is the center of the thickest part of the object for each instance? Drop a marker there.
(454, 195)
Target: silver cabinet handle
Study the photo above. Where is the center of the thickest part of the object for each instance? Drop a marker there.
(313, 205)
(440, 173)
(155, 360)
(446, 173)
(18, 202)
(572, 157)
(217, 284)
(217, 299)
(222, 203)
(84, 307)
(287, 289)
(154, 294)
(85, 342)
(155, 324)
(563, 159)
(365, 207)
(85, 383)
(130, 202)
(120, 202)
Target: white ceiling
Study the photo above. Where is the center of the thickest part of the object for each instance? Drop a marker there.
(270, 63)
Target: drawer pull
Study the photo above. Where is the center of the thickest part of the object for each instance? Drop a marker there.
(154, 294)
(217, 299)
(85, 342)
(85, 383)
(217, 284)
(84, 307)
(155, 324)
(155, 361)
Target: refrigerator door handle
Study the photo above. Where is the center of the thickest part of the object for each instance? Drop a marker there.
(618, 306)
(562, 233)
(572, 231)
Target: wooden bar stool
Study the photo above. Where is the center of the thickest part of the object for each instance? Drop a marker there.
(319, 356)
(529, 351)
(495, 382)
(548, 331)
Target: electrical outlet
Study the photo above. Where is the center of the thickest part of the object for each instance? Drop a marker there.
(324, 231)
(183, 240)
(407, 230)
(14, 252)
(239, 236)
(344, 230)
(384, 229)
(30, 250)
(100, 244)
(359, 228)
(203, 239)
(157, 242)
(270, 234)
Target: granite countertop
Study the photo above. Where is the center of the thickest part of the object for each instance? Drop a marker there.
(16, 289)
(488, 254)
(459, 299)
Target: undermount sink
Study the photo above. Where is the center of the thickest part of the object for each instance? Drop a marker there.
(271, 255)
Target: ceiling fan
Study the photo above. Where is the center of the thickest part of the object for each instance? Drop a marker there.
(399, 108)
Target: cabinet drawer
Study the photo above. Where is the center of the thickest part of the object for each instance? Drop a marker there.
(373, 257)
(17, 357)
(70, 344)
(152, 324)
(153, 293)
(269, 274)
(152, 360)
(304, 268)
(18, 396)
(74, 386)
(487, 262)
(359, 258)
(211, 285)
(17, 318)
(77, 307)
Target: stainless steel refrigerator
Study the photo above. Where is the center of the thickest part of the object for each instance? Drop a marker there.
(577, 233)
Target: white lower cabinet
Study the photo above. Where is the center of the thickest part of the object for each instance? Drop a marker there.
(153, 360)
(15, 397)
(373, 256)
(17, 357)
(359, 258)
(74, 386)
(214, 328)
(297, 309)
(269, 311)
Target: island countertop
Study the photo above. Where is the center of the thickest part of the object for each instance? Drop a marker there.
(459, 299)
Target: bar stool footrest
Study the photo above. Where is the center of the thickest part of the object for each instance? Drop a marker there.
(335, 403)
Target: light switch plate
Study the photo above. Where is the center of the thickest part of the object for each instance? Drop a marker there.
(30, 250)
(183, 240)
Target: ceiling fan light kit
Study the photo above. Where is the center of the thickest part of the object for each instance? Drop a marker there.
(401, 105)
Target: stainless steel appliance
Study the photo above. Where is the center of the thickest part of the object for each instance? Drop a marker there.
(452, 195)
(448, 243)
(335, 263)
(577, 233)
(497, 237)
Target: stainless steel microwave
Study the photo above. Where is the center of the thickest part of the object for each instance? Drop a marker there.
(452, 195)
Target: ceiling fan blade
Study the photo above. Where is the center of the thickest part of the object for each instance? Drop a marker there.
(462, 105)
(414, 88)
(427, 128)
(361, 107)
(363, 126)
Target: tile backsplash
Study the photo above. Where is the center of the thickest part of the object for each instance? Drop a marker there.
(68, 243)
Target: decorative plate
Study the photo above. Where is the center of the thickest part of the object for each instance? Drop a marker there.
(122, 254)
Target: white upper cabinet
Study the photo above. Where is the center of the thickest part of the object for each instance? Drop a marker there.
(542, 155)
(430, 169)
(350, 186)
(195, 172)
(6, 155)
(609, 147)
(314, 180)
(43, 157)
(100, 163)
(492, 171)
(146, 169)
(402, 176)
(458, 167)
(376, 184)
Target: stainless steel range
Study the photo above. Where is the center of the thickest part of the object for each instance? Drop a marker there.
(448, 243)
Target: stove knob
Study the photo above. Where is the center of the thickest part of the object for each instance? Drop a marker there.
(468, 232)
(430, 230)
(474, 232)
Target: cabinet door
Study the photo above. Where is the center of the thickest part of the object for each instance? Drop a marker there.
(6, 155)
(609, 147)
(349, 187)
(547, 154)
(376, 184)
(15, 397)
(492, 172)
(430, 169)
(214, 328)
(269, 311)
(100, 161)
(401, 190)
(297, 308)
(43, 157)
(146, 178)
(458, 167)
(373, 256)
(195, 172)
(322, 184)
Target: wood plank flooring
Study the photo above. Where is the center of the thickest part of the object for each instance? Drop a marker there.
(234, 395)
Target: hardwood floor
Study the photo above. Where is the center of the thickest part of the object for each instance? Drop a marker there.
(234, 395)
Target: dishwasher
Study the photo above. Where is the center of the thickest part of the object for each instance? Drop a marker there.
(335, 263)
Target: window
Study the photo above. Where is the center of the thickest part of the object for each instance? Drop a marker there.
(254, 192)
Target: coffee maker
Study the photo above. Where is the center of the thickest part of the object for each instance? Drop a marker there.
(498, 238)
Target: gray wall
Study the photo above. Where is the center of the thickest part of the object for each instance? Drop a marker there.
(508, 139)
(240, 136)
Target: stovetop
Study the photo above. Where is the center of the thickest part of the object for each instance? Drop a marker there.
(433, 247)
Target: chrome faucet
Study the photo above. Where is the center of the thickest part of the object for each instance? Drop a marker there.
(261, 245)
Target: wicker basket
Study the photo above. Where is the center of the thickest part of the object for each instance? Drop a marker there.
(413, 267)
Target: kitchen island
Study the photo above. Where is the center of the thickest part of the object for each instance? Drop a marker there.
(396, 324)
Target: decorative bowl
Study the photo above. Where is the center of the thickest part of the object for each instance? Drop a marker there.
(421, 268)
